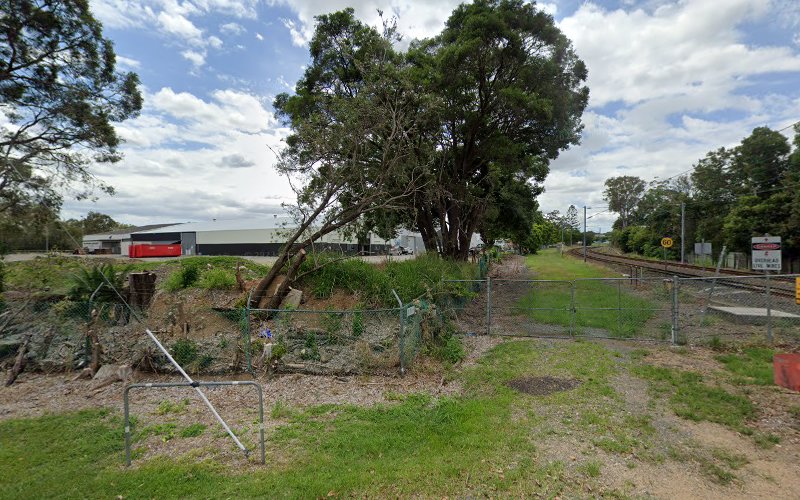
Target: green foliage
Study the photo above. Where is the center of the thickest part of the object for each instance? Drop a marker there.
(623, 194)
(373, 284)
(192, 430)
(493, 172)
(310, 350)
(166, 407)
(752, 366)
(332, 324)
(449, 349)
(52, 273)
(185, 351)
(358, 324)
(211, 272)
(692, 399)
(61, 90)
(104, 281)
(731, 195)
(217, 279)
(183, 277)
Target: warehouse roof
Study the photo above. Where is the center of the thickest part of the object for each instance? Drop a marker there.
(265, 222)
(122, 233)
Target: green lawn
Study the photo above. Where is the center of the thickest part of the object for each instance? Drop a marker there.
(608, 306)
(419, 445)
(490, 441)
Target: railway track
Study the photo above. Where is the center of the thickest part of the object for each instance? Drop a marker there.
(781, 286)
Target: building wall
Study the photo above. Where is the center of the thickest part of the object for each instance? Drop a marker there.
(240, 236)
(156, 238)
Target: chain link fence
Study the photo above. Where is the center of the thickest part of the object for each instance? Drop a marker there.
(324, 341)
(738, 308)
(642, 305)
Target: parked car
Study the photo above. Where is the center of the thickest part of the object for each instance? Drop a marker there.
(400, 250)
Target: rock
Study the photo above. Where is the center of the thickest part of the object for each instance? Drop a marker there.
(292, 299)
(108, 371)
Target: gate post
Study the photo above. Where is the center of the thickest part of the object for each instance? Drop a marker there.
(488, 305)
(675, 316)
(572, 308)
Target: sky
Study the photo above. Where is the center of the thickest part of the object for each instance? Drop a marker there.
(669, 81)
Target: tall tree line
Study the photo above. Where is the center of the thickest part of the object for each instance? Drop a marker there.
(730, 195)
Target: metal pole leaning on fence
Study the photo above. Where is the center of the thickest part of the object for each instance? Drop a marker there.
(186, 384)
(401, 341)
(196, 386)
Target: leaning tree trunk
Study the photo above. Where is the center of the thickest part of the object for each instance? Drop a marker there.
(283, 288)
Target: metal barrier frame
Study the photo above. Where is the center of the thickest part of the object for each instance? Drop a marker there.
(149, 385)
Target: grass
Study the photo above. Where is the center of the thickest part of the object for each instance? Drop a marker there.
(417, 445)
(413, 445)
(692, 399)
(751, 366)
(217, 272)
(374, 283)
(606, 306)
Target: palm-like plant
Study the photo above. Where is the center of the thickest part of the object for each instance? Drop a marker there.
(100, 283)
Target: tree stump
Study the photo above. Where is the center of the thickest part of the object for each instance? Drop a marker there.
(142, 288)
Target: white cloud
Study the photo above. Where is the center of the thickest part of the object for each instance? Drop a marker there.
(178, 25)
(196, 58)
(193, 158)
(259, 37)
(232, 29)
(214, 42)
(300, 35)
(678, 75)
(416, 19)
(127, 62)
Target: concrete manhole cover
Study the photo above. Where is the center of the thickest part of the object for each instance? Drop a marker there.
(542, 386)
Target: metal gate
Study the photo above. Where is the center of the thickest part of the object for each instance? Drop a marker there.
(624, 308)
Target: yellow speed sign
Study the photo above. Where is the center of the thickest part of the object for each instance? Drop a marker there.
(666, 242)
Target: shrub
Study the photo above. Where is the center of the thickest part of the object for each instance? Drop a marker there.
(183, 277)
(185, 351)
(374, 283)
(217, 279)
(103, 281)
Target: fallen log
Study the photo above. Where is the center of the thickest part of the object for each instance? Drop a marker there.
(19, 363)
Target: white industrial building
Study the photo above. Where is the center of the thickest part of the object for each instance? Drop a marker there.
(114, 242)
(261, 236)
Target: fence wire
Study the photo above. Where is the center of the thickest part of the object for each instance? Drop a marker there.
(325, 341)
(739, 308)
(641, 305)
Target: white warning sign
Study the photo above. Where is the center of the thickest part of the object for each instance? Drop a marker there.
(767, 253)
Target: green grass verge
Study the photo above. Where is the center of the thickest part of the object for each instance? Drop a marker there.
(751, 366)
(692, 399)
(418, 445)
(606, 306)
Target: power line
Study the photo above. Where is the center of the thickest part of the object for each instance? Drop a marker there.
(788, 126)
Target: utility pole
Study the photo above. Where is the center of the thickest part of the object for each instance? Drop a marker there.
(683, 228)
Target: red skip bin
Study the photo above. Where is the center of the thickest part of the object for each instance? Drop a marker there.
(787, 370)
